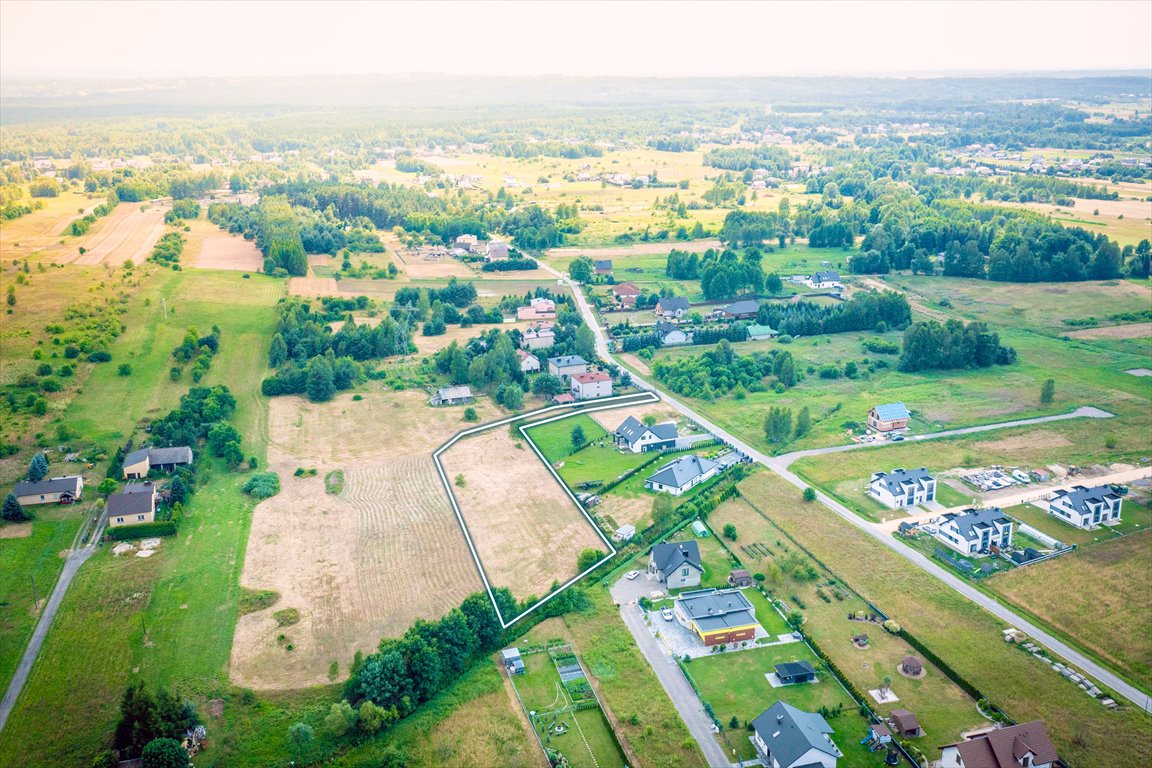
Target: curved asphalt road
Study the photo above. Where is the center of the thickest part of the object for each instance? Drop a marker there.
(76, 558)
(780, 464)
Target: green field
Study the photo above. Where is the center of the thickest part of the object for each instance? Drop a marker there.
(734, 684)
(1134, 517)
(554, 439)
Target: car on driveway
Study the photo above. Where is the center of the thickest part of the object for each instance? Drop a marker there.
(666, 613)
(632, 575)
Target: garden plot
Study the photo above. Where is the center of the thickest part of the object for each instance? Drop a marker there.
(228, 252)
(358, 565)
(526, 529)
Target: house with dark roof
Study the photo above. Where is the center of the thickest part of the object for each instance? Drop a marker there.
(678, 476)
(452, 396)
(792, 672)
(140, 462)
(53, 490)
(674, 307)
(745, 309)
(1087, 508)
(787, 737)
(1017, 746)
(136, 505)
(602, 266)
(885, 418)
(902, 487)
(672, 335)
(974, 532)
(825, 280)
(637, 437)
(676, 563)
(717, 617)
(566, 365)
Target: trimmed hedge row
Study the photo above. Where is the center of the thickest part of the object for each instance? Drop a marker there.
(142, 531)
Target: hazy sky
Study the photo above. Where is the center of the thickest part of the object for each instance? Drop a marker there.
(161, 39)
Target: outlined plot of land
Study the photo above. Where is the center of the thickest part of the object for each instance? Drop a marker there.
(493, 516)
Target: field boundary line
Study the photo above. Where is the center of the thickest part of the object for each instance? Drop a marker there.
(606, 404)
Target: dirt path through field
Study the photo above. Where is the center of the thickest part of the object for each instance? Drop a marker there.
(1130, 331)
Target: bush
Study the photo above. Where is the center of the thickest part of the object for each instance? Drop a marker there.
(264, 485)
(125, 369)
(809, 495)
(99, 356)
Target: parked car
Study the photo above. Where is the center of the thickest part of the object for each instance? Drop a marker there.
(896, 438)
(667, 614)
(632, 575)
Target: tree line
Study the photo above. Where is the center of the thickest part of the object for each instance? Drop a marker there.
(720, 371)
(931, 345)
(879, 310)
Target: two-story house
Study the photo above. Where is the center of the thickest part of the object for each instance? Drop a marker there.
(637, 437)
(974, 532)
(902, 487)
(1086, 508)
(676, 563)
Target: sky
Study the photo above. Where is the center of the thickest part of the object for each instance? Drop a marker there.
(589, 38)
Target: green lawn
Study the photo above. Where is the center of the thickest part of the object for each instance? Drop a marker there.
(949, 496)
(717, 563)
(603, 463)
(554, 439)
(734, 684)
(31, 565)
(766, 613)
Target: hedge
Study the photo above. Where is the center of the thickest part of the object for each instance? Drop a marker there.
(143, 531)
(950, 673)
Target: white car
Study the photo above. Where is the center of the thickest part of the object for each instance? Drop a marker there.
(666, 613)
(632, 575)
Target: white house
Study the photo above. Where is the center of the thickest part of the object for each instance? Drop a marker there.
(1018, 746)
(676, 563)
(529, 363)
(672, 335)
(828, 280)
(637, 437)
(468, 243)
(567, 365)
(902, 487)
(1086, 508)
(787, 737)
(591, 385)
(540, 336)
(672, 307)
(975, 531)
(679, 476)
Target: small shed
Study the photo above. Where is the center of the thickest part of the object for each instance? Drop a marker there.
(512, 661)
(879, 733)
(452, 396)
(905, 724)
(699, 529)
(739, 577)
(912, 665)
(624, 532)
(791, 672)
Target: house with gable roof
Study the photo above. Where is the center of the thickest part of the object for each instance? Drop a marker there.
(974, 532)
(902, 487)
(787, 737)
(676, 563)
(885, 418)
(637, 437)
(1086, 508)
(679, 476)
(1018, 746)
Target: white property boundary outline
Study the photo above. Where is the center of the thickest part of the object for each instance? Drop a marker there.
(606, 404)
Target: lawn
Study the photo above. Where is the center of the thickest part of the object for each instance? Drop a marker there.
(948, 496)
(1069, 534)
(554, 439)
(598, 462)
(734, 684)
(31, 566)
(716, 560)
(957, 630)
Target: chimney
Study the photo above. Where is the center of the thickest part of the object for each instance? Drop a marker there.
(779, 718)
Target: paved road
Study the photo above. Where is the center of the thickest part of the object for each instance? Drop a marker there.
(779, 465)
(76, 558)
(679, 690)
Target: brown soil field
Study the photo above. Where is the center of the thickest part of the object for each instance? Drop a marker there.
(1039, 439)
(1098, 595)
(1131, 331)
(419, 268)
(228, 252)
(426, 345)
(313, 286)
(527, 531)
(350, 563)
(611, 419)
(640, 249)
(128, 233)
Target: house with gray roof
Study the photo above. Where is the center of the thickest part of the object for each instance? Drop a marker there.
(53, 490)
(676, 563)
(887, 417)
(672, 335)
(679, 476)
(792, 672)
(567, 365)
(974, 532)
(452, 396)
(136, 505)
(637, 437)
(140, 462)
(902, 487)
(602, 266)
(745, 309)
(513, 664)
(674, 307)
(1086, 508)
(787, 737)
(717, 617)
(825, 280)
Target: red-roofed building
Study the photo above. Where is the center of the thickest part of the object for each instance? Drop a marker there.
(1019, 746)
(589, 386)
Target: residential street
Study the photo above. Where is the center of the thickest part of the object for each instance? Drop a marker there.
(76, 558)
(679, 690)
(780, 465)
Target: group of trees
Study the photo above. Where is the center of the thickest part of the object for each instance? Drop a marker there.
(879, 310)
(203, 413)
(721, 371)
(146, 719)
(195, 347)
(168, 249)
(770, 157)
(273, 225)
(753, 228)
(931, 345)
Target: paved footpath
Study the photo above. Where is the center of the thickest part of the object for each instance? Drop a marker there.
(76, 558)
(780, 464)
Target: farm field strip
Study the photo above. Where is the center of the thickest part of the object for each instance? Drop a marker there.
(436, 458)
